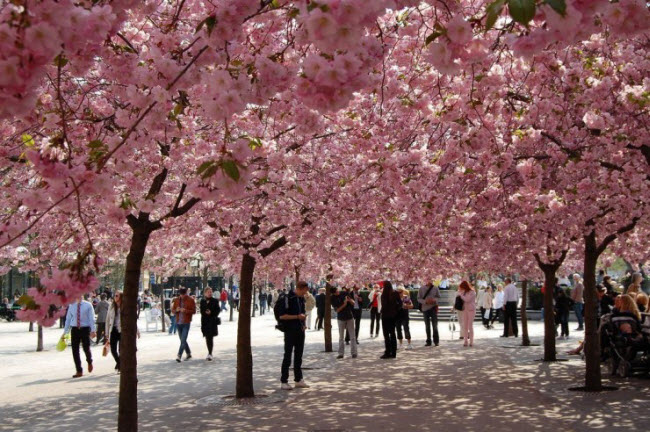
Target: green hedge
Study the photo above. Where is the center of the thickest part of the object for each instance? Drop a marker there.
(535, 298)
(365, 294)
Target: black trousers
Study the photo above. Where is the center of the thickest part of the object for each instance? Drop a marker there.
(431, 323)
(356, 314)
(510, 316)
(375, 316)
(115, 345)
(101, 332)
(320, 315)
(497, 314)
(294, 342)
(209, 342)
(80, 335)
(390, 338)
(403, 322)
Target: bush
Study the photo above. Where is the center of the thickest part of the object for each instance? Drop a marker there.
(535, 298)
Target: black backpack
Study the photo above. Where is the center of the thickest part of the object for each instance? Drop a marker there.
(283, 299)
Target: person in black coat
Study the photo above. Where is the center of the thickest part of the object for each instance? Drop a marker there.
(209, 319)
(562, 308)
(320, 309)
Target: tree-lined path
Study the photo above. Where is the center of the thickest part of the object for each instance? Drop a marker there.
(449, 387)
(342, 140)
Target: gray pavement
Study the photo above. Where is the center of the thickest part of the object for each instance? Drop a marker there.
(485, 388)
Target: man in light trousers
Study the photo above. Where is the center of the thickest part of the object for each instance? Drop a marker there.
(343, 303)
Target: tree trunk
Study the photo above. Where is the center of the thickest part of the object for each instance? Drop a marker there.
(31, 326)
(230, 301)
(162, 310)
(593, 381)
(244, 386)
(297, 270)
(39, 343)
(128, 397)
(549, 317)
(525, 340)
(204, 280)
(253, 300)
(328, 318)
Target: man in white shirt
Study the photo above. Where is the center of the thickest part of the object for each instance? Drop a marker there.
(80, 321)
(510, 301)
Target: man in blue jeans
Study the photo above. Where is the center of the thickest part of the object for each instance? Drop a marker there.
(184, 307)
(578, 300)
(428, 297)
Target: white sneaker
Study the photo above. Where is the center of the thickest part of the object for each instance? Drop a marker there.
(409, 347)
(209, 357)
(286, 386)
(301, 384)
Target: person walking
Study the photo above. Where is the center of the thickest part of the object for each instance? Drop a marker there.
(114, 328)
(468, 295)
(172, 317)
(497, 305)
(262, 298)
(391, 303)
(235, 300)
(342, 302)
(428, 298)
(292, 312)
(80, 322)
(510, 301)
(310, 303)
(269, 300)
(210, 310)
(320, 309)
(223, 297)
(184, 308)
(562, 308)
(375, 310)
(403, 318)
(578, 301)
(101, 310)
(356, 314)
(486, 307)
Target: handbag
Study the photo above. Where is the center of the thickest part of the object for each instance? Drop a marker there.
(61, 344)
(486, 315)
(105, 350)
(423, 298)
(458, 304)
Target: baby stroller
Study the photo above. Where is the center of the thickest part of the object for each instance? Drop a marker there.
(626, 349)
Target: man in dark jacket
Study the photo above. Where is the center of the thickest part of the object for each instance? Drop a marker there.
(343, 303)
(101, 310)
(320, 308)
(262, 299)
(292, 313)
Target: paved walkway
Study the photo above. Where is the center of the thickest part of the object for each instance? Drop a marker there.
(492, 386)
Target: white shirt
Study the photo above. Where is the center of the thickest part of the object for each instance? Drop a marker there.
(510, 294)
(498, 300)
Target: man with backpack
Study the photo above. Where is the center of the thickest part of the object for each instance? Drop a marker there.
(428, 296)
(289, 311)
